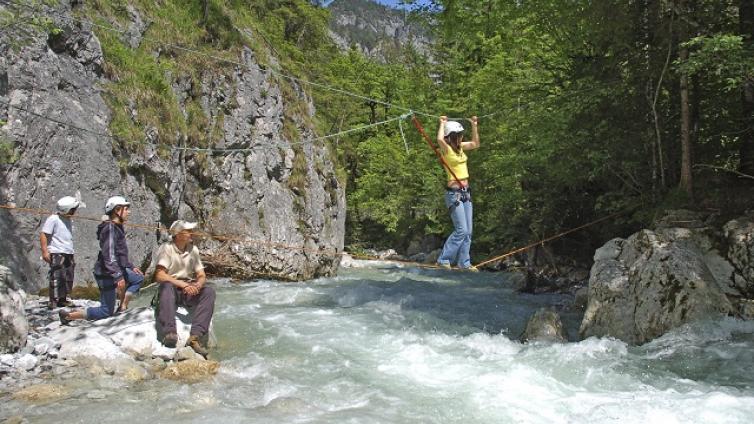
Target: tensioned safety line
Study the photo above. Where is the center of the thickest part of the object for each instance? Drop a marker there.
(324, 252)
(218, 237)
(313, 140)
(551, 238)
(240, 64)
(280, 74)
(202, 149)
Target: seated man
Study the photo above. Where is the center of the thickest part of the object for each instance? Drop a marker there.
(182, 282)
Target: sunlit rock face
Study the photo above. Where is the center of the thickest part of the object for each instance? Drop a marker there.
(653, 281)
(279, 209)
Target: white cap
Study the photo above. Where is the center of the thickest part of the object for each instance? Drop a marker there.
(452, 127)
(180, 225)
(65, 204)
(114, 202)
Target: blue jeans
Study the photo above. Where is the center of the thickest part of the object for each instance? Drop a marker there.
(107, 296)
(457, 246)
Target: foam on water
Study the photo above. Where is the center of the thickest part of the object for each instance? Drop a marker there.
(401, 345)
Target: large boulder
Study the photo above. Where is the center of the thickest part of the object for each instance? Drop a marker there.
(13, 324)
(544, 326)
(643, 286)
(129, 335)
(739, 234)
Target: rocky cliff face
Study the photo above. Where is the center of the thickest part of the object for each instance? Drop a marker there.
(280, 207)
(374, 29)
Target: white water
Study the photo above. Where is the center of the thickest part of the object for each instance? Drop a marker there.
(400, 346)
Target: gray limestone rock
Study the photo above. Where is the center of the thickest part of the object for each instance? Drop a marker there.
(276, 209)
(645, 285)
(14, 326)
(544, 326)
(740, 239)
(26, 362)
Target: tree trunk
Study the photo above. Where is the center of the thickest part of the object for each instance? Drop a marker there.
(746, 151)
(683, 55)
(205, 4)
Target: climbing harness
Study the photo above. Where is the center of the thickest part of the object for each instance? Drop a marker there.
(462, 194)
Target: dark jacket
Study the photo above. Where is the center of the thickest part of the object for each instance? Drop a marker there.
(113, 251)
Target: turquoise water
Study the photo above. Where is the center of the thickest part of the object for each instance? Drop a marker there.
(409, 345)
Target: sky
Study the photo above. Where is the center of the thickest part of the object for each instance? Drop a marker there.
(391, 3)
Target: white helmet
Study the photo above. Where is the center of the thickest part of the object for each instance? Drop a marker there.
(451, 127)
(65, 204)
(114, 202)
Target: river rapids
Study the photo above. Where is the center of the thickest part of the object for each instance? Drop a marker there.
(404, 345)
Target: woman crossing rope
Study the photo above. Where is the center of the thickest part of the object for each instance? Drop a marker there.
(458, 194)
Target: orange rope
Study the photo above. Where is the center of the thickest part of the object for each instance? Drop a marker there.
(328, 252)
(218, 237)
(419, 127)
(543, 241)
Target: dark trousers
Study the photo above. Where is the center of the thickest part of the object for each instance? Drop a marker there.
(62, 266)
(203, 305)
(108, 295)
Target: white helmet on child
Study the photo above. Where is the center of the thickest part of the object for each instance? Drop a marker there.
(65, 204)
(452, 127)
(114, 202)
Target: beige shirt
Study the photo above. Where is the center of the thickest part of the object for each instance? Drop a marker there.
(180, 265)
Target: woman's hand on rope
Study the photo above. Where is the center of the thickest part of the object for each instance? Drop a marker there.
(474, 143)
(441, 133)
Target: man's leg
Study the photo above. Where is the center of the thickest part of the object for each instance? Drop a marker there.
(204, 307)
(70, 273)
(166, 313)
(52, 279)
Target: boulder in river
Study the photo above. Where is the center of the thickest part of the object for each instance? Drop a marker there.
(191, 370)
(654, 281)
(545, 326)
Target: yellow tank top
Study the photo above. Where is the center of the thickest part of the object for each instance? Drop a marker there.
(457, 162)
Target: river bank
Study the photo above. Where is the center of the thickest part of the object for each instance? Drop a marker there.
(408, 344)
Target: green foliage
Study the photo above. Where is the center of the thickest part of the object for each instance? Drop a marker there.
(584, 104)
(7, 152)
(24, 19)
(722, 57)
(579, 105)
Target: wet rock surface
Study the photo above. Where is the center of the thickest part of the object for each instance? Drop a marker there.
(544, 326)
(656, 280)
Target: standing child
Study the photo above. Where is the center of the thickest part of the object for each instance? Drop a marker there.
(117, 278)
(56, 240)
